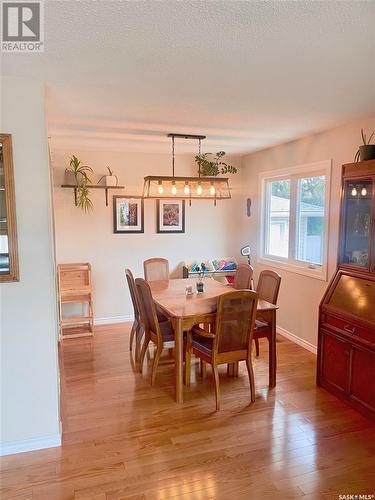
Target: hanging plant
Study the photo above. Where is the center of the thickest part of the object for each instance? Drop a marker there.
(214, 167)
(82, 179)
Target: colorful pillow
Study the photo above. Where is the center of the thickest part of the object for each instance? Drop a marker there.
(229, 266)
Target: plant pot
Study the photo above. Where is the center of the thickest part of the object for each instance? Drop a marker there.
(70, 179)
(367, 152)
(110, 180)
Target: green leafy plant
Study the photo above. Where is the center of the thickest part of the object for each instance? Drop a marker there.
(83, 198)
(82, 179)
(214, 167)
(366, 142)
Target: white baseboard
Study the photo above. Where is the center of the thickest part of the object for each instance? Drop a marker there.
(30, 445)
(113, 319)
(297, 340)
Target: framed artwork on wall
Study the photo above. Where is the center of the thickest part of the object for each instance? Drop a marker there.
(128, 214)
(170, 216)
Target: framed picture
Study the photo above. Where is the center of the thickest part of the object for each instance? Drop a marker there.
(128, 214)
(170, 216)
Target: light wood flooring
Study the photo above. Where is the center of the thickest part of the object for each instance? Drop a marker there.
(123, 439)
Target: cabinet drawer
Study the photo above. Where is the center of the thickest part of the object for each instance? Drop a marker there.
(350, 328)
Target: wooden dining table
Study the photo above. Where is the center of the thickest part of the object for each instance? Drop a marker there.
(185, 311)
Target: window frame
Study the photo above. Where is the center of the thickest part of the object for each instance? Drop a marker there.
(294, 174)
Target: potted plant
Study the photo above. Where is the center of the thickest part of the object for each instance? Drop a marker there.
(367, 150)
(109, 180)
(78, 175)
(200, 282)
(214, 167)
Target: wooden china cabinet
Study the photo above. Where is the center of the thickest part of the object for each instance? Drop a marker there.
(346, 341)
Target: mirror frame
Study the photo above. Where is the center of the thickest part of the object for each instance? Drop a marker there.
(10, 201)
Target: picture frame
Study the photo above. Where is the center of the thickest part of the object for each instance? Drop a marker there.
(170, 216)
(128, 214)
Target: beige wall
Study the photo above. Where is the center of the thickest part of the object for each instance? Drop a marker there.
(210, 231)
(300, 295)
(29, 369)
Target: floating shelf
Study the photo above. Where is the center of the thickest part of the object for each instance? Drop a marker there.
(91, 186)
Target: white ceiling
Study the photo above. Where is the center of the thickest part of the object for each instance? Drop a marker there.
(121, 74)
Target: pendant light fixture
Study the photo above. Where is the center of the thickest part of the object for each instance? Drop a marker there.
(188, 188)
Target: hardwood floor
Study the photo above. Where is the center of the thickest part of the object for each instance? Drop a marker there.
(124, 439)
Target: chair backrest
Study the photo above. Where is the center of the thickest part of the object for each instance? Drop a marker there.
(156, 269)
(243, 277)
(133, 292)
(235, 320)
(147, 307)
(269, 286)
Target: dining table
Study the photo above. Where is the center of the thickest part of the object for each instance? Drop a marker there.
(186, 310)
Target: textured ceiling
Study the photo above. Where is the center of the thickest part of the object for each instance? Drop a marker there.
(248, 74)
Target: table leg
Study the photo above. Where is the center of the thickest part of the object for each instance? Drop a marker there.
(178, 352)
(272, 352)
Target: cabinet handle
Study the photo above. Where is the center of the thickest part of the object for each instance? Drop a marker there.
(349, 330)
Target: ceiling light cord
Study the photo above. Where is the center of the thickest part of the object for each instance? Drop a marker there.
(173, 155)
(199, 153)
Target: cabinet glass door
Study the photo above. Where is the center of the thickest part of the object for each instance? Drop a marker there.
(357, 222)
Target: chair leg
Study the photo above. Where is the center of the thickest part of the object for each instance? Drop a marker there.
(132, 333)
(217, 387)
(143, 351)
(188, 360)
(203, 367)
(155, 364)
(250, 371)
(256, 347)
(138, 340)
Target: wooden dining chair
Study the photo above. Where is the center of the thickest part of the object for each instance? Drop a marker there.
(231, 339)
(243, 277)
(156, 269)
(157, 332)
(137, 328)
(268, 289)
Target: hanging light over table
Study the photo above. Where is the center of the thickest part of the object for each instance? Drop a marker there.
(189, 188)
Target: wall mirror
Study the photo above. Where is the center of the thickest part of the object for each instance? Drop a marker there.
(8, 231)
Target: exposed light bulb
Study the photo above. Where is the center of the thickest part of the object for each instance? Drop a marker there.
(364, 191)
(212, 190)
(160, 188)
(173, 188)
(199, 190)
(354, 191)
(186, 189)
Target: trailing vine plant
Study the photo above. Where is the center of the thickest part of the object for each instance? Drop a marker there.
(81, 176)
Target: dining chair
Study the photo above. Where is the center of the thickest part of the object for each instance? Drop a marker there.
(243, 277)
(157, 332)
(156, 269)
(268, 289)
(137, 328)
(231, 339)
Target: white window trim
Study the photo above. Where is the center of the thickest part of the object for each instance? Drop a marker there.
(317, 168)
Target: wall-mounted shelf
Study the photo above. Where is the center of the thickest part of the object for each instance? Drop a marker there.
(91, 186)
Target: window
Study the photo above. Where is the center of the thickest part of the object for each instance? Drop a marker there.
(294, 218)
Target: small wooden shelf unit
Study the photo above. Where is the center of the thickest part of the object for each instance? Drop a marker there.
(74, 283)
